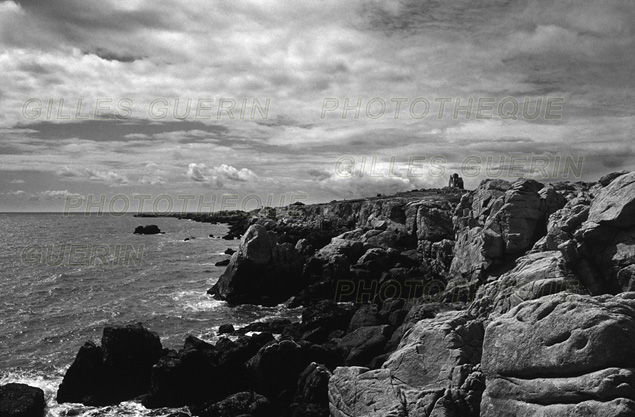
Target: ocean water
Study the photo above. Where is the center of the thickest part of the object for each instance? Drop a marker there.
(65, 277)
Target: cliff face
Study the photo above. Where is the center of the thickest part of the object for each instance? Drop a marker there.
(312, 251)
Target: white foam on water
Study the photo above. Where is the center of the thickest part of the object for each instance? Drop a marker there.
(194, 301)
(49, 385)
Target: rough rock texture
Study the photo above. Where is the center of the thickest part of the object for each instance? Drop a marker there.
(429, 371)
(615, 204)
(498, 222)
(20, 400)
(363, 344)
(535, 275)
(118, 370)
(261, 272)
(564, 353)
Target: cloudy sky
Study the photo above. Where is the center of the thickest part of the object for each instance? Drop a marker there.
(306, 100)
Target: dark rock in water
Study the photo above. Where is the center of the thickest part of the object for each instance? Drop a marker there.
(211, 235)
(276, 326)
(118, 370)
(186, 239)
(245, 404)
(21, 400)
(262, 271)
(226, 328)
(84, 380)
(152, 229)
(224, 262)
(201, 372)
(229, 251)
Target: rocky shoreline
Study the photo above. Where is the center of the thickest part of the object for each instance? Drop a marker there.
(511, 299)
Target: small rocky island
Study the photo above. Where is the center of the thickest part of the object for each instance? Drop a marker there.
(512, 299)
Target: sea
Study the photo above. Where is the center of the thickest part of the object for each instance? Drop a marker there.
(65, 277)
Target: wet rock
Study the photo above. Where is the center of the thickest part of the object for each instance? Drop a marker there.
(152, 229)
(261, 272)
(201, 372)
(21, 400)
(224, 262)
(226, 328)
(118, 370)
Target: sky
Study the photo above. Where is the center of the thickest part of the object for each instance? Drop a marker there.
(198, 105)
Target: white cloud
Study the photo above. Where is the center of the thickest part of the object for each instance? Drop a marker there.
(219, 175)
(51, 194)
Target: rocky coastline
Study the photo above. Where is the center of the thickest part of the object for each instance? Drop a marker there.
(516, 298)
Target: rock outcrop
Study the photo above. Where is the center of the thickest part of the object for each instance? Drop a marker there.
(152, 229)
(563, 354)
(497, 223)
(21, 400)
(263, 271)
(514, 300)
(117, 370)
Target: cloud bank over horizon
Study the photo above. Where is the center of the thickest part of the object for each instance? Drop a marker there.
(323, 99)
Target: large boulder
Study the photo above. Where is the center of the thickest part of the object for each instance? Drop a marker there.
(615, 204)
(276, 367)
(118, 370)
(430, 350)
(201, 372)
(563, 354)
(535, 275)
(262, 271)
(21, 400)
